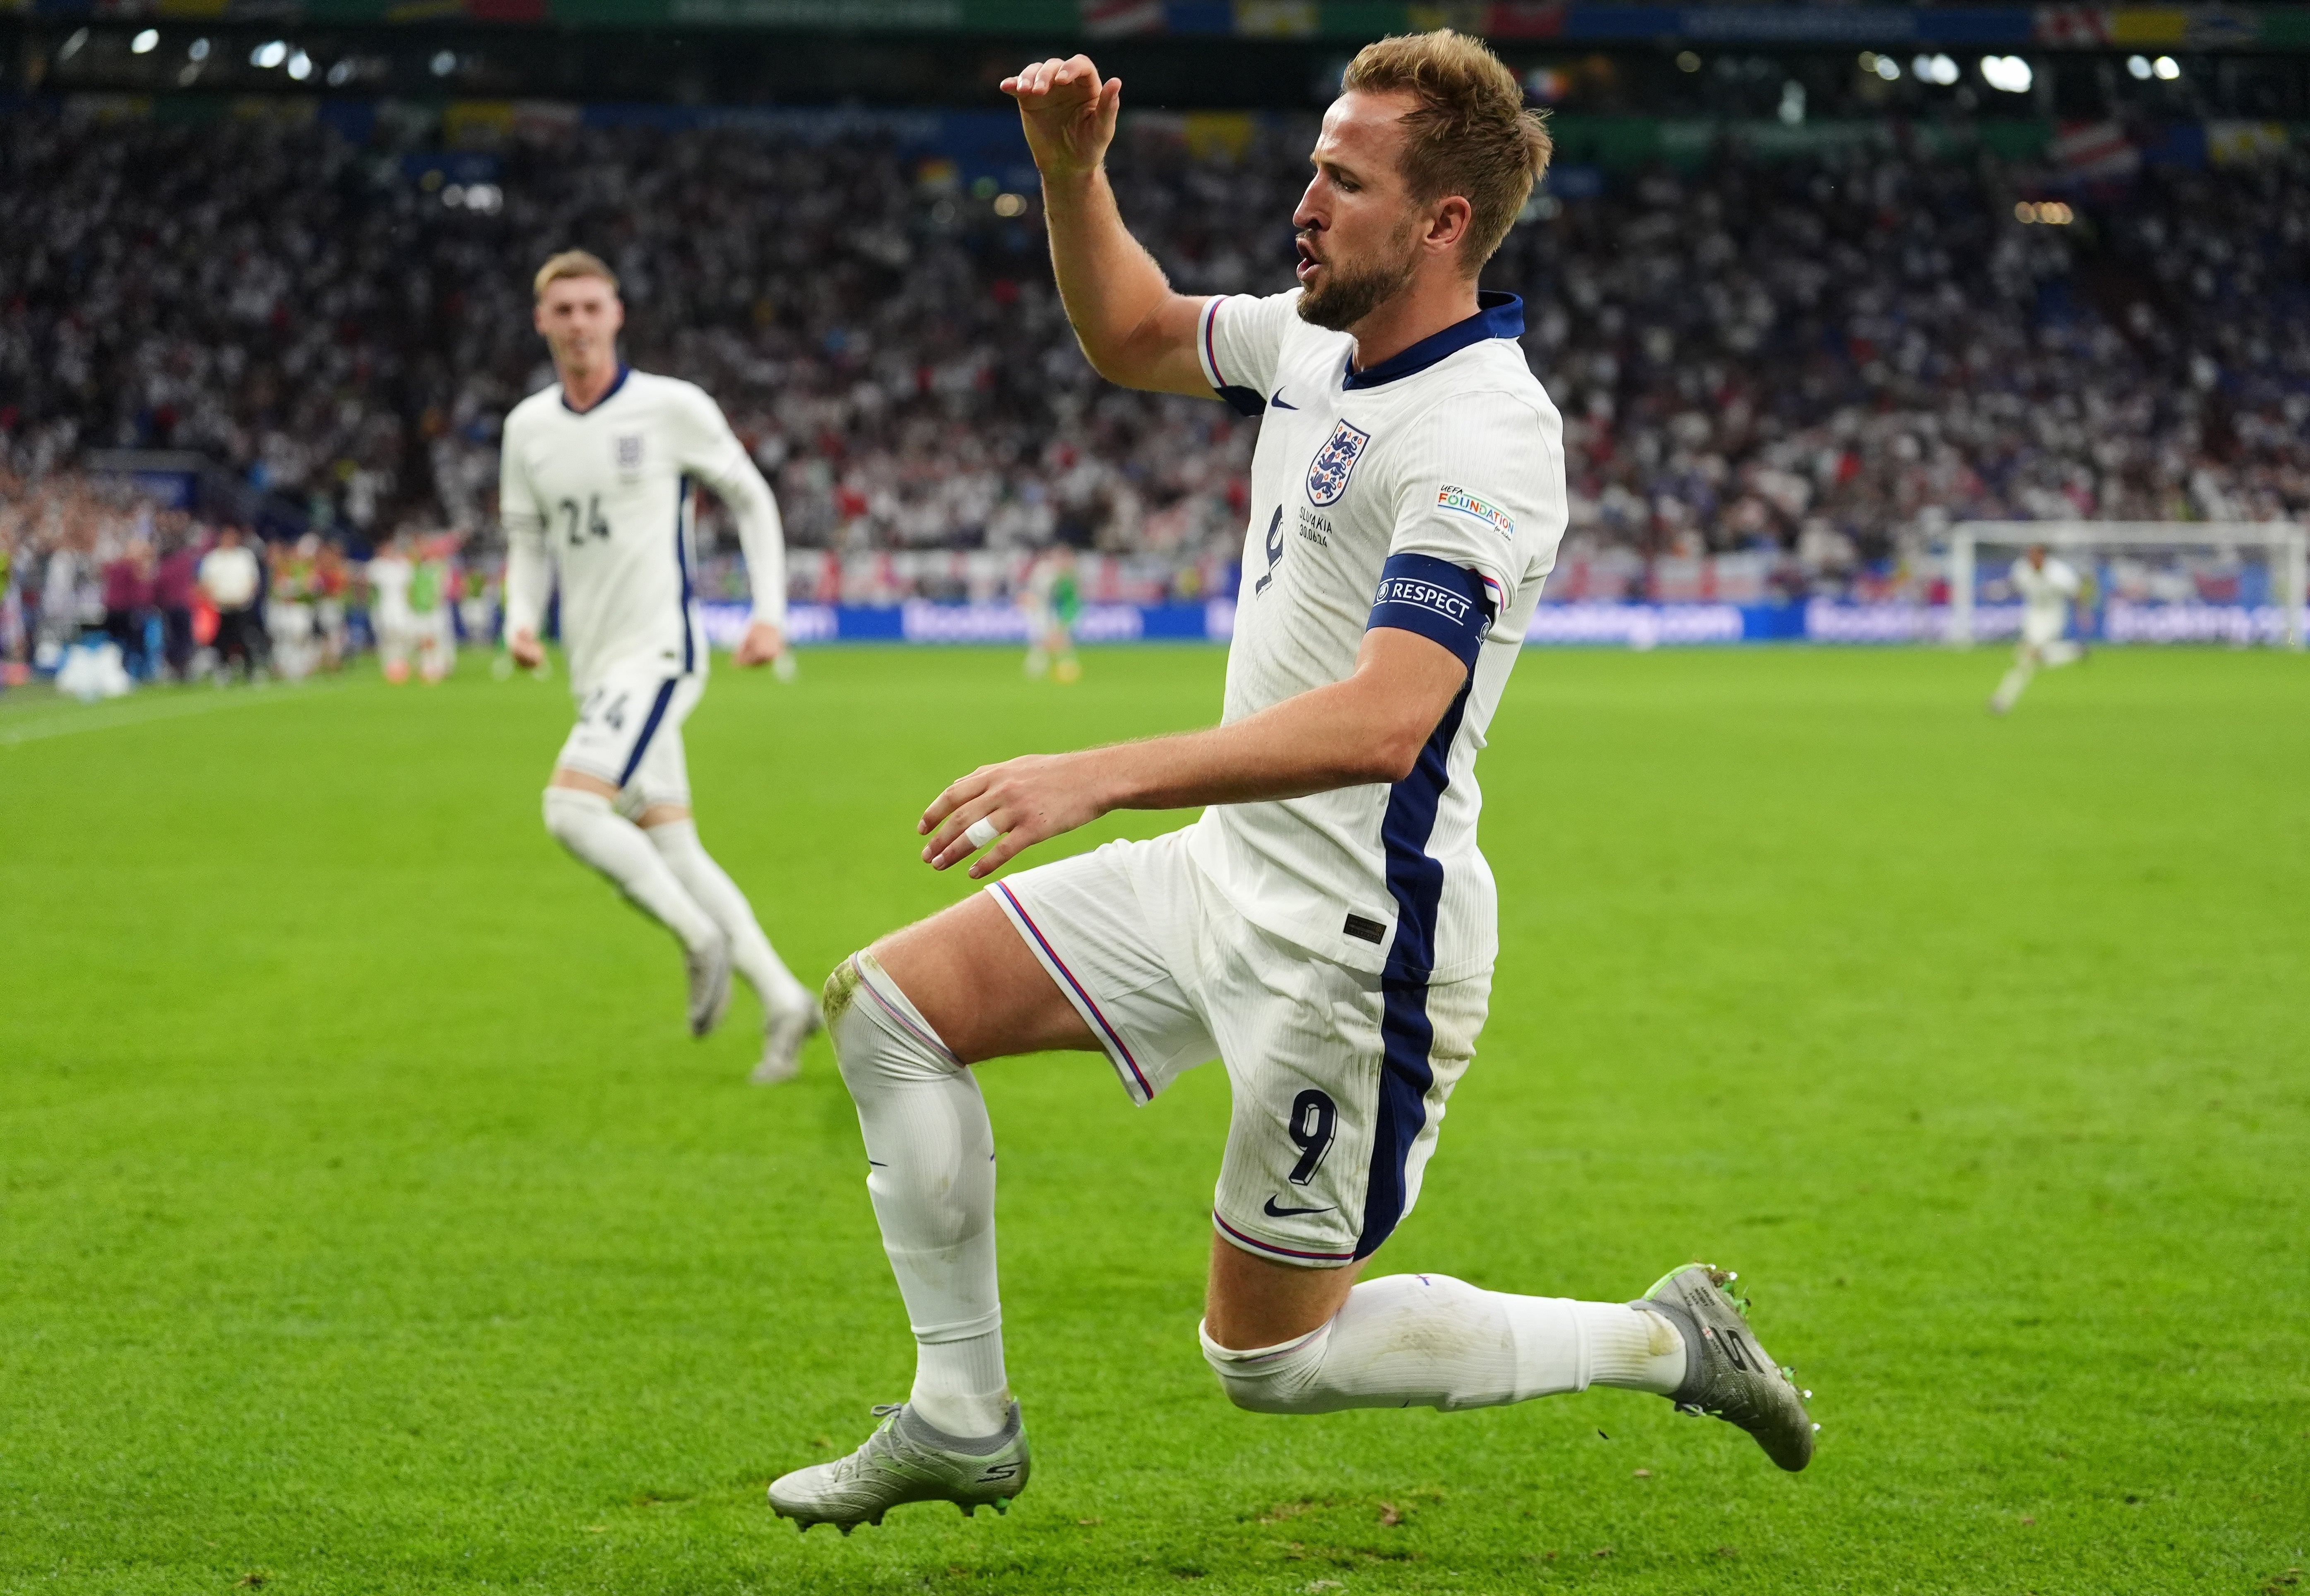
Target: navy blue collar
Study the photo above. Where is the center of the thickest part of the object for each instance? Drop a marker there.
(624, 371)
(1498, 316)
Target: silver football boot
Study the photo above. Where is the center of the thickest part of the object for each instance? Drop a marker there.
(905, 1460)
(783, 1035)
(1728, 1375)
(709, 984)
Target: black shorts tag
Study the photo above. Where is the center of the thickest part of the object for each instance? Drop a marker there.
(1365, 930)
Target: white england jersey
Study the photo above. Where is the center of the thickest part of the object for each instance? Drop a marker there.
(388, 578)
(1426, 492)
(2045, 597)
(607, 492)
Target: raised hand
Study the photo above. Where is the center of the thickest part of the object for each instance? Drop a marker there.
(1068, 113)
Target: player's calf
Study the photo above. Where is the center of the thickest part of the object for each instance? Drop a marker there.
(585, 823)
(1434, 1341)
(1430, 1340)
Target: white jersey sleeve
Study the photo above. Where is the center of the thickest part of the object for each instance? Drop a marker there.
(1239, 339)
(1478, 487)
(529, 567)
(708, 451)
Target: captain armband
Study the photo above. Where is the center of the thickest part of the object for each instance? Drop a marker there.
(1444, 602)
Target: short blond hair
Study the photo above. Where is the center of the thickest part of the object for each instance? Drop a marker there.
(1468, 132)
(573, 262)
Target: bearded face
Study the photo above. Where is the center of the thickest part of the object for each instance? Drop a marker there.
(1343, 289)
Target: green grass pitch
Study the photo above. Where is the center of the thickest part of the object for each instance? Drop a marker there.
(368, 1224)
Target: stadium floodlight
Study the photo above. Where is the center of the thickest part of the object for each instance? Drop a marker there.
(145, 43)
(2139, 65)
(340, 74)
(199, 50)
(2009, 74)
(1935, 69)
(301, 66)
(444, 64)
(269, 54)
(1889, 69)
(2166, 68)
(2288, 547)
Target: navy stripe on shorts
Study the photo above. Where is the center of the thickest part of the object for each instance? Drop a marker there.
(1416, 881)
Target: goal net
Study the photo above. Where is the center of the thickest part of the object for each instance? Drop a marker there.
(2237, 582)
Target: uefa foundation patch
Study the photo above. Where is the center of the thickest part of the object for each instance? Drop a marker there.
(1467, 504)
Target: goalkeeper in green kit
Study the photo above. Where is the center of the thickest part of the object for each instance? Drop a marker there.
(1054, 604)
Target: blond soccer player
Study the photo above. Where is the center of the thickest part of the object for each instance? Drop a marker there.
(596, 483)
(1327, 928)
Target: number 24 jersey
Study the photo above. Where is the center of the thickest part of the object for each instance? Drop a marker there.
(607, 492)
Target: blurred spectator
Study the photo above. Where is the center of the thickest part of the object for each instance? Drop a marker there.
(330, 585)
(11, 607)
(231, 579)
(174, 589)
(128, 606)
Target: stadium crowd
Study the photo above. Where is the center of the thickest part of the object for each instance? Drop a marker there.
(1805, 364)
(176, 595)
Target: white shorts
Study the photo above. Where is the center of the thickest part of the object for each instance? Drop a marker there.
(629, 732)
(1339, 1078)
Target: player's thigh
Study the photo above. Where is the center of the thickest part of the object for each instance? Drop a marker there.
(659, 789)
(1339, 1083)
(1081, 953)
(619, 718)
(977, 985)
(1114, 931)
(1265, 1293)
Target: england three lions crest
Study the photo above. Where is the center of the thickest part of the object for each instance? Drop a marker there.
(1327, 473)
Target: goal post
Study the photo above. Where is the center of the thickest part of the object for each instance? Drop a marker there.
(2286, 540)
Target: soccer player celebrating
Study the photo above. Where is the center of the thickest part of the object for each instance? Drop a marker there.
(2049, 588)
(598, 468)
(1327, 928)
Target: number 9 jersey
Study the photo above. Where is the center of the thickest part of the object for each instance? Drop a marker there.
(605, 495)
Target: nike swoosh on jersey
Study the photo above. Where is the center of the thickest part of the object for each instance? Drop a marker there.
(1274, 1212)
(1279, 402)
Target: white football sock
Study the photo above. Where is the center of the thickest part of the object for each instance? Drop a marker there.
(585, 824)
(2009, 691)
(930, 1152)
(1432, 1341)
(710, 886)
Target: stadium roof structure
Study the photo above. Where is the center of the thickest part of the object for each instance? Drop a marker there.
(2276, 28)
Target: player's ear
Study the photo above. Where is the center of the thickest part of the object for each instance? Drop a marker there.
(1448, 223)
